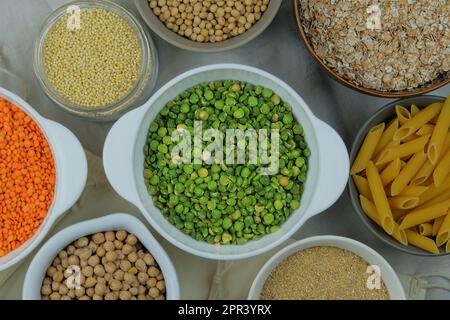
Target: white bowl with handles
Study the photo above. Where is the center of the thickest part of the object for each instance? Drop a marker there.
(71, 174)
(123, 160)
(113, 222)
(388, 275)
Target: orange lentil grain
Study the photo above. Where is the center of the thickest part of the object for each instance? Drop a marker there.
(27, 177)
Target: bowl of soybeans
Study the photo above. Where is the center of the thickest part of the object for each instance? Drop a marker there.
(208, 26)
(95, 60)
(110, 258)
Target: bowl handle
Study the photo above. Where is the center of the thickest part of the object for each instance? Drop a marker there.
(72, 170)
(118, 155)
(334, 166)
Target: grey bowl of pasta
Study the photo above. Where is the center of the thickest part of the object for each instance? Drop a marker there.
(400, 175)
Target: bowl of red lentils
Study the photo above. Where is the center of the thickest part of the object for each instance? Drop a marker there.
(43, 170)
(208, 26)
(95, 60)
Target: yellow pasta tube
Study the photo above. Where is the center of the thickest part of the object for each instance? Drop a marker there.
(387, 135)
(403, 203)
(379, 198)
(426, 229)
(403, 114)
(444, 232)
(437, 225)
(414, 110)
(416, 217)
(421, 242)
(427, 169)
(398, 214)
(408, 172)
(434, 191)
(362, 186)
(391, 172)
(443, 196)
(413, 124)
(439, 133)
(371, 211)
(403, 150)
(367, 149)
(425, 129)
(413, 191)
(442, 170)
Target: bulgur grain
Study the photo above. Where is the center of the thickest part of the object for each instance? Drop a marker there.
(321, 273)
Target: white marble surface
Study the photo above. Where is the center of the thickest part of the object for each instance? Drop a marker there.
(279, 51)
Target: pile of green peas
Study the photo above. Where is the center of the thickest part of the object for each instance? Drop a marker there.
(219, 203)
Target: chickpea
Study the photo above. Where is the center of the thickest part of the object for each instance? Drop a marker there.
(55, 296)
(153, 292)
(93, 261)
(110, 296)
(62, 254)
(110, 267)
(127, 249)
(125, 295)
(142, 297)
(119, 275)
(129, 278)
(161, 285)
(65, 298)
(131, 239)
(118, 244)
(56, 262)
(111, 256)
(90, 292)
(132, 257)
(71, 294)
(110, 236)
(73, 260)
(51, 271)
(84, 254)
(93, 246)
(125, 265)
(141, 265)
(63, 290)
(47, 280)
(46, 290)
(151, 282)
(142, 277)
(115, 285)
(97, 297)
(55, 286)
(58, 276)
(90, 282)
(100, 289)
(101, 252)
(82, 242)
(134, 291)
(64, 262)
(153, 272)
(109, 246)
(70, 249)
(79, 292)
(98, 238)
(121, 235)
(85, 298)
(99, 270)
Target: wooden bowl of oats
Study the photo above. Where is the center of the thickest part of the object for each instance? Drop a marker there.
(395, 49)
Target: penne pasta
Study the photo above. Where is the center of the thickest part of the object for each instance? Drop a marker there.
(403, 203)
(391, 172)
(421, 242)
(437, 225)
(362, 186)
(403, 114)
(413, 191)
(443, 196)
(442, 170)
(427, 169)
(403, 150)
(425, 129)
(444, 232)
(369, 209)
(408, 172)
(426, 229)
(397, 214)
(439, 133)
(414, 110)
(416, 217)
(367, 149)
(387, 135)
(434, 191)
(380, 198)
(412, 125)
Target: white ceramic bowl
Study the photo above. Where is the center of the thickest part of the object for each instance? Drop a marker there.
(119, 221)
(123, 159)
(388, 275)
(184, 43)
(71, 175)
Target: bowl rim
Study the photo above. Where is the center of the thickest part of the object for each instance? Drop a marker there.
(317, 241)
(373, 92)
(147, 76)
(183, 43)
(78, 230)
(354, 195)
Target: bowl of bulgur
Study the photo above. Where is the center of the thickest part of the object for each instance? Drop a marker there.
(208, 26)
(95, 60)
(327, 268)
(391, 49)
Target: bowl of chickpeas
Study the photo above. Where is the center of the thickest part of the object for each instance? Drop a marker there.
(208, 26)
(110, 258)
